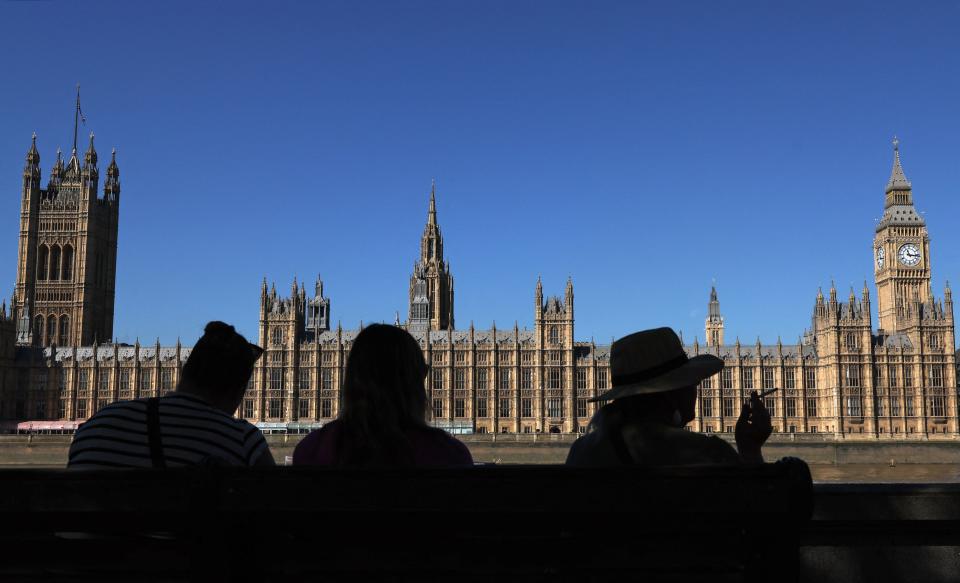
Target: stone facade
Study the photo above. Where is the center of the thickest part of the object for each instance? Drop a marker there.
(840, 379)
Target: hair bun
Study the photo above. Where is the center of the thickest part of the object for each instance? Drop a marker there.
(220, 330)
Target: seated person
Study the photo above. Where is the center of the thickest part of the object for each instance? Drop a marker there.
(384, 406)
(192, 426)
(653, 396)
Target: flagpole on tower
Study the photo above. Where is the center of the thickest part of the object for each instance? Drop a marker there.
(76, 119)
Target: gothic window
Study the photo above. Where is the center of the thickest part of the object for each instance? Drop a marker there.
(51, 329)
(276, 335)
(460, 357)
(248, 408)
(851, 341)
(908, 377)
(707, 383)
(895, 405)
(790, 404)
(581, 380)
(504, 407)
(811, 405)
(504, 380)
(326, 376)
(64, 339)
(715, 337)
(276, 408)
(603, 376)
(581, 407)
(726, 379)
(811, 378)
(935, 341)
(304, 411)
(67, 271)
(881, 406)
(459, 407)
(936, 375)
(554, 335)
(909, 406)
(146, 382)
(481, 407)
(459, 379)
(54, 262)
(276, 379)
(166, 380)
(438, 408)
(326, 408)
(767, 377)
(104, 387)
(43, 262)
(707, 407)
(305, 379)
(553, 378)
(38, 329)
(747, 377)
(790, 378)
(124, 385)
(526, 378)
(554, 407)
(854, 404)
(526, 407)
(877, 376)
(481, 379)
(437, 379)
(82, 409)
(83, 382)
(851, 375)
(938, 401)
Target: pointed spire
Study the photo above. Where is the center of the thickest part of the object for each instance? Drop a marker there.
(33, 155)
(113, 170)
(90, 158)
(432, 212)
(898, 181)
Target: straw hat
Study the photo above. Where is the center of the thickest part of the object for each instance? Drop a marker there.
(654, 361)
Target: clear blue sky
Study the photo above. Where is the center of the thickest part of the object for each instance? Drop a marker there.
(643, 148)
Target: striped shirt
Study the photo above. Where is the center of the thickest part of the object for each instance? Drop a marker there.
(191, 432)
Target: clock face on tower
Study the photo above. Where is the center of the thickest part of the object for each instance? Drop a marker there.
(880, 255)
(909, 255)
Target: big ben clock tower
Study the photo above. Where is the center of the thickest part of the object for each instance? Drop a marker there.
(901, 252)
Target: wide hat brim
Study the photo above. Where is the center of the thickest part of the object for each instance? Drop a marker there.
(690, 373)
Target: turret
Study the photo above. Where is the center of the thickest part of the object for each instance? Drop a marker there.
(714, 324)
(90, 158)
(111, 187)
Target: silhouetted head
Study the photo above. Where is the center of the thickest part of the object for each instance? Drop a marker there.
(219, 367)
(383, 397)
(384, 377)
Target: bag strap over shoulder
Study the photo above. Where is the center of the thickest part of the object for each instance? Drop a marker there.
(153, 433)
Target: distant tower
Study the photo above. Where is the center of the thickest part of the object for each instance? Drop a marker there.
(66, 267)
(901, 252)
(431, 285)
(714, 325)
(317, 312)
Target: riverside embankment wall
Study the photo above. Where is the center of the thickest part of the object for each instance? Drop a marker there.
(51, 450)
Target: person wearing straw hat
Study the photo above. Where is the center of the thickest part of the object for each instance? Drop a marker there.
(653, 396)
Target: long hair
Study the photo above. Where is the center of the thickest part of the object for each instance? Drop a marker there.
(383, 398)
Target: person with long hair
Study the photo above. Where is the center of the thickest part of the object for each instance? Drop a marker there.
(383, 416)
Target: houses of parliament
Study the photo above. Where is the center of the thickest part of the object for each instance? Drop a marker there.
(844, 378)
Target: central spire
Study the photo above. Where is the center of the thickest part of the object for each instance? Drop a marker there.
(898, 181)
(432, 212)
